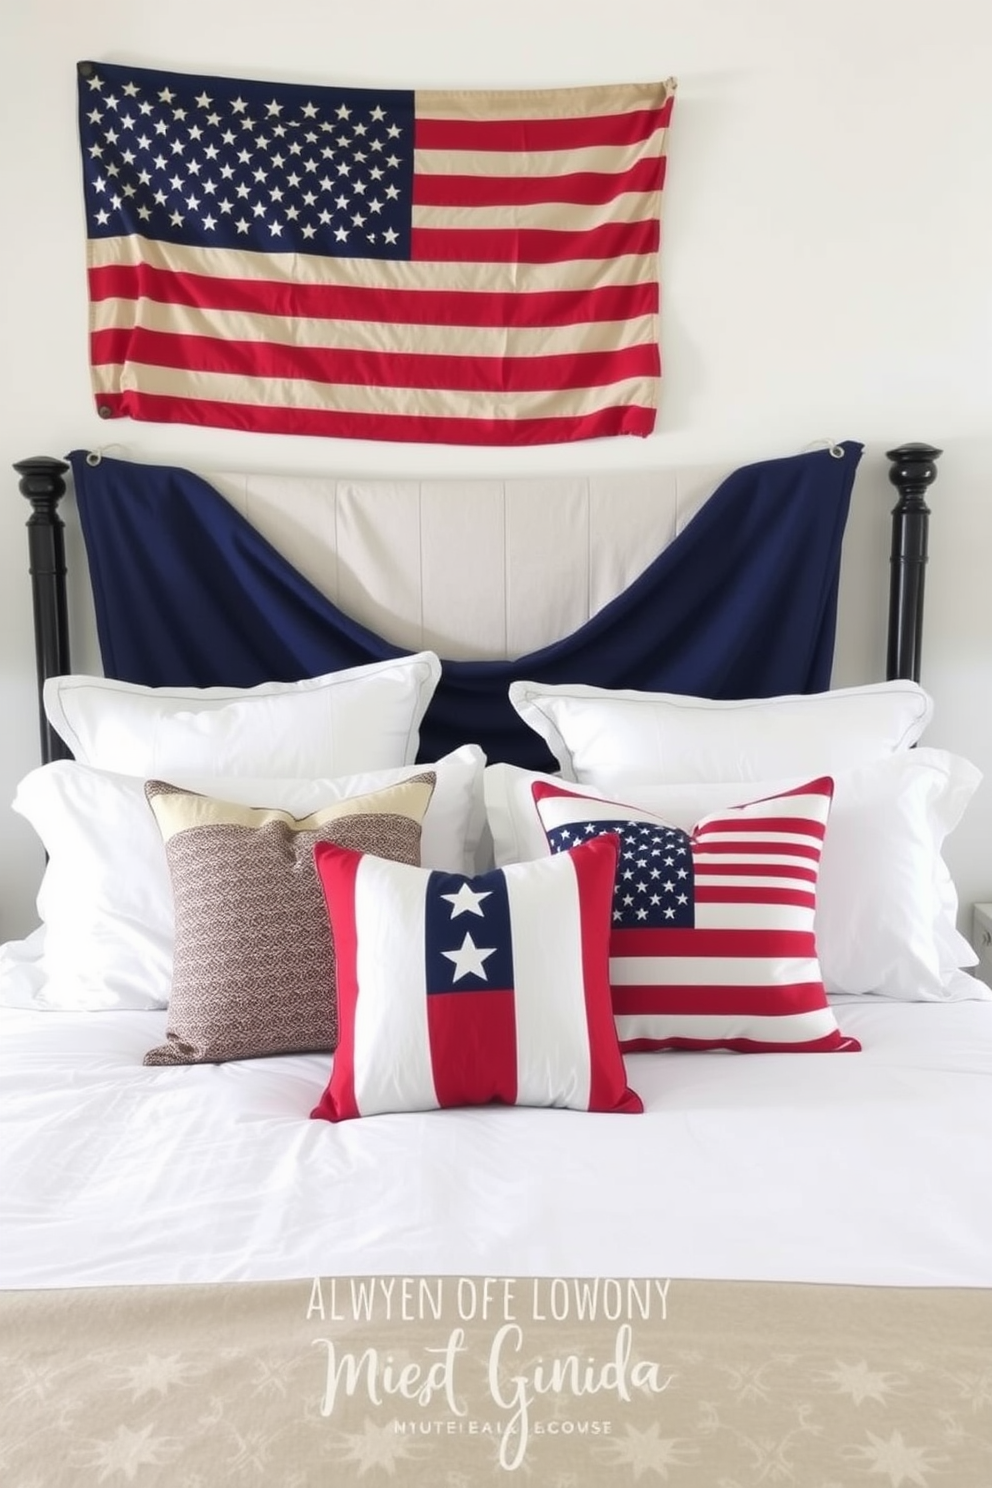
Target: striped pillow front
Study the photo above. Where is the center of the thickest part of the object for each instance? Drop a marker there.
(713, 943)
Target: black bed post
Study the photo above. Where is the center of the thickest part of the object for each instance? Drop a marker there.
(43, 484)
(913, 470)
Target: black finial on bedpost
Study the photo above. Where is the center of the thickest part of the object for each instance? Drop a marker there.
(43, 484)
(913, 470)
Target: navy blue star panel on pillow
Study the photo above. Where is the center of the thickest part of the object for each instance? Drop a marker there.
(654, 875)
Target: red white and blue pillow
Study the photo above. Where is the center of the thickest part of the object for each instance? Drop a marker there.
(713, 943)
(460, 991)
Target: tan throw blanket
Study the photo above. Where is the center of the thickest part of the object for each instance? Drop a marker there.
(449, 1382)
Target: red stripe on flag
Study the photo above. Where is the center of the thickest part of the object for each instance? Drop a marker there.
(782, 826)
(705, 999)
(743, 944)
(595, 871)
(536, 309)
(341, 871)
(404, 428)
(536, 136)
(586, 187)
(473, 1039)
(834, 1042)
(347, 366)
(531, 245)
(824, 786)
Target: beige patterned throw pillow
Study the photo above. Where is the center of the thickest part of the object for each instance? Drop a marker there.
(253, 970)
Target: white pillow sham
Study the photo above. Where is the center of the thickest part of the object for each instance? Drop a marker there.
(21, 976)
(362, 718)
(886, 905)
(106, 897)
(612, 738)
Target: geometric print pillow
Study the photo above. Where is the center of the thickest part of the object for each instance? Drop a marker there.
(713, 943)
(253, 966)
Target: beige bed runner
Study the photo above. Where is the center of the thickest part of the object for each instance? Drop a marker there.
(456, 1381)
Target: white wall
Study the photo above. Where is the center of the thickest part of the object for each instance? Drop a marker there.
(827, 273)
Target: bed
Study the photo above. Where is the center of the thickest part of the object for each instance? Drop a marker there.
(749, 1244)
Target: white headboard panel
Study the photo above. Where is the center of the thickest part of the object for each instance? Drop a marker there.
(474, 568)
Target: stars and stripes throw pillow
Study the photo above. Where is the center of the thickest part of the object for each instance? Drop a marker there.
(713, 943)
(456, 991)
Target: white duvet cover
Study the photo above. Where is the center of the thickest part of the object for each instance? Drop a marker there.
(872, 1168)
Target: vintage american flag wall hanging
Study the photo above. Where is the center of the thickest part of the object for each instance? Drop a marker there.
(368, 263)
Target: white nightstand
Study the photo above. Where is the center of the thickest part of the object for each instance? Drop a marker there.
(981, 939)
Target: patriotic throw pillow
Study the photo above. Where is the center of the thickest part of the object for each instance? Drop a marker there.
(713, 944)
(456, 991)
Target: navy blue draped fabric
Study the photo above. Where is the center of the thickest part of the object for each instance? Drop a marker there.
(743, 603)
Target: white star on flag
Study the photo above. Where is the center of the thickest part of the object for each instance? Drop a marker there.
(468, 959)
(466, 901)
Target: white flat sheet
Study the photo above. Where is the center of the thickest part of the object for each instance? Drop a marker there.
(870, 1168)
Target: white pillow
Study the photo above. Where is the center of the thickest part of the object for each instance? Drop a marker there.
(362, 718)
(886, 905)
(21, 976)
(106, 897)
(612, 738)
